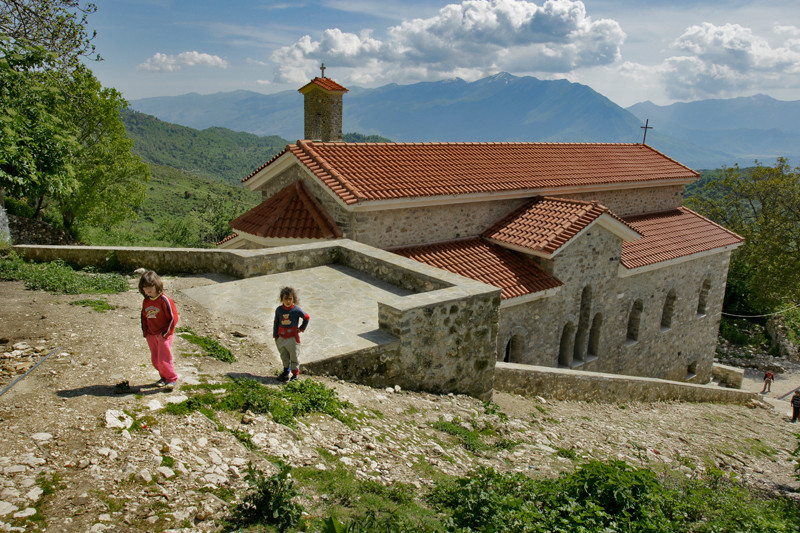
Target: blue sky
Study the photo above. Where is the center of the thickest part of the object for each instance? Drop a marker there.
(630, 51)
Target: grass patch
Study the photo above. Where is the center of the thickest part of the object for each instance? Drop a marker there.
(286, 404)
(269, 502)
(210, 345)
(58, 277)
(101, 306)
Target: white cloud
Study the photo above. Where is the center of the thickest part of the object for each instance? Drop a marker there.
(727, 60)
(171, 63)
(469, 40)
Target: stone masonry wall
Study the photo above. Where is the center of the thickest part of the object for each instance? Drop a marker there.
(323, 116)
(635, 201)
(586, 324)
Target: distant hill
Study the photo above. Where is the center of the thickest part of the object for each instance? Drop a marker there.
(498, 108)
(749, 128)
(217, 153)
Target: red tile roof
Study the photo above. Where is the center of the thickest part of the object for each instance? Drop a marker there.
(326, 84)
(482, 261)
(671, 235)
(546, 224)
(293, 213)
(359, 172)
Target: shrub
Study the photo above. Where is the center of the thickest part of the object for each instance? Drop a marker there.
(270, 501)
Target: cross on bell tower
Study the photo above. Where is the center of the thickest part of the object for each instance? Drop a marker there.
(322, 68)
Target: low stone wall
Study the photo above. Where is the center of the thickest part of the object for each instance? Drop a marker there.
(562, 384)
(728, 376)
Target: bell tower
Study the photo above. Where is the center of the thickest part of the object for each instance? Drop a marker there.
(323, 108)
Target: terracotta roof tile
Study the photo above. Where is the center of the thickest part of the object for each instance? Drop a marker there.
(482, 261)
(379, 171)
(228, 238)
(291, 213)
(673, 234)
(324, 83)
(545, 224)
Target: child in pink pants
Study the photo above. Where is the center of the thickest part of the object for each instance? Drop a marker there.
(159, 318)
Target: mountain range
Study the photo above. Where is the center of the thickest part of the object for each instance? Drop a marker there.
(505, 108)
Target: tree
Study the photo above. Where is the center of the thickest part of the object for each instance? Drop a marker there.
(58, 26)
(762, 204)
(36, 146)
(109, 177)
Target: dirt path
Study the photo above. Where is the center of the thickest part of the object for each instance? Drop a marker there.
(61, 426)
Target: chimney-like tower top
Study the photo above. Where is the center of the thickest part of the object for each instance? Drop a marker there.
(323, 108)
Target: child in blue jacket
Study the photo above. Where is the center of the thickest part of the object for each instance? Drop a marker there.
(286, 329)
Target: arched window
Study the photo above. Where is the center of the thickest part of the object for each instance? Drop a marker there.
(702, 301)
(566, 347)
(669, 309)
(514, 349)
(594, 335)
(634, 319)
(583, 325)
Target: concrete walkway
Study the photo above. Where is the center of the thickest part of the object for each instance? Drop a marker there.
(340, 300)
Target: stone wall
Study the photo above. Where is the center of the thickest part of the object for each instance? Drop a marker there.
(587, 323)
(561, 384)
(635, 201)
(323, 115)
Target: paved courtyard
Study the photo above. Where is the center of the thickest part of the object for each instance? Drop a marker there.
(341, 301)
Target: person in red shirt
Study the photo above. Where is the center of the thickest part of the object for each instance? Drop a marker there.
(286, 329)
(159, 318)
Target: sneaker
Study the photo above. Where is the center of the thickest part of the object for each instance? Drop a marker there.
(286, 376)
(171, 384)
(294, 377)
(161, 382)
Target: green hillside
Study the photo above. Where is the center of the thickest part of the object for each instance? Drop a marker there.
(217, 153)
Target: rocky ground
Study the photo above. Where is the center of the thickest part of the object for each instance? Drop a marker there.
(75, 455)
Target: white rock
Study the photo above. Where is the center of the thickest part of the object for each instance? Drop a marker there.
(32, 460)
(126, 434)
(41, 437)
(215, 456)
(14, 469)
(6, 508)
(25, 513)
(21, 346)
(145, 475)
(118, 419)
(202, 441)
(34, 494)
(178, 398)
(154, 405)
(215, 479)
(166, 472)
(105, 517)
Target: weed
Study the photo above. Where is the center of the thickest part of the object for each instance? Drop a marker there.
(210, 345)
(101, 306)
(244, 437)
(540, 409)
(492, 408)
(58, 277)
(566, 453)
(270, 501)
(167, 461)
(285, 404)
(470, 439)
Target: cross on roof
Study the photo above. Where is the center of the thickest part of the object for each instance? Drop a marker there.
(645, 128)
(322, 68)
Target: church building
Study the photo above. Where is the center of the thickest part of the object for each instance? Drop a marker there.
(601, 267)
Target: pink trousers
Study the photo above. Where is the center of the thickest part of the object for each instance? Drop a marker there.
(161, 356)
